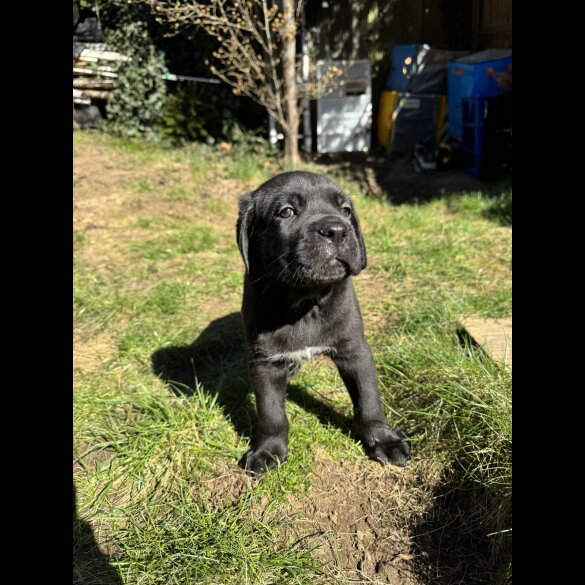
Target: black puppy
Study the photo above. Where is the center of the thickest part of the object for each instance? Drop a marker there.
(301, 242)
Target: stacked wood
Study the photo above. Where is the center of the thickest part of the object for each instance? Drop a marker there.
(97, 70)
(94, 83)
(92, 79)
(95, 46)
(79, 98)
(92, 56)
(97, 95)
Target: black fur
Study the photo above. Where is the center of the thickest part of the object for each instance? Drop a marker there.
(298, 294)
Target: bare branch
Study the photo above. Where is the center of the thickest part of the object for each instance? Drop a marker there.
(251, 37)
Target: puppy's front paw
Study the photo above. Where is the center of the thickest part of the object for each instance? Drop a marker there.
(257, 461)
(386, 445)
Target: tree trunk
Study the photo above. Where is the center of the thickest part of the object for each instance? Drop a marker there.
(291, 134)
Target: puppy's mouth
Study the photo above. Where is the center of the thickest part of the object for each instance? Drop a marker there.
(338, 263)
(335, 269)
(318, 265)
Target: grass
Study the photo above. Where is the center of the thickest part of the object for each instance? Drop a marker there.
(226, 546)
(157, 269)
(182, 241)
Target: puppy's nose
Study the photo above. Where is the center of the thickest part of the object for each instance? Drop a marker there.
(334, 230)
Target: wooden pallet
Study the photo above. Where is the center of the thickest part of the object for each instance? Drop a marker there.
(493, 335)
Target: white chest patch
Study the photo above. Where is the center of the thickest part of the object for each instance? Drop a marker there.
(300, 354)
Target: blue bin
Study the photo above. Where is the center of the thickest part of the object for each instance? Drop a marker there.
(468, 77)
(474, 112)
(402, 66)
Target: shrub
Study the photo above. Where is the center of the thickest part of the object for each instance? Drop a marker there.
(136, 106)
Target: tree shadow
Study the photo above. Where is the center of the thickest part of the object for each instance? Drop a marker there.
(459, 538)
(451, 541)
(395, 179)
(216, 361)
(500, 210)
(90, 565)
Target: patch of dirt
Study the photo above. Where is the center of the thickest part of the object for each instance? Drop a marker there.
(358, 516)
(107, 206)
(90, 353)
(91, 458)
(97, 177)
(227, 484)
(227, 191)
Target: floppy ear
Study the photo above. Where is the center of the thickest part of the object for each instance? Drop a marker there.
(244, 227)
(360, 239)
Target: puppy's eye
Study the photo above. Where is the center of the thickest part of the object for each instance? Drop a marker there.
(346, 211)
(286, 212)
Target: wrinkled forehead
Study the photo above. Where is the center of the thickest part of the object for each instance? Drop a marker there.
(306, 190)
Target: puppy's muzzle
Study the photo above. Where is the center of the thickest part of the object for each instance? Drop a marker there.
(332, 229)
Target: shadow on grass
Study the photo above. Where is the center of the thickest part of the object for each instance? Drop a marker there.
(395, 179)
(90, 565)
(461, 535)
(323, 411)
(449, 541)
(500, 209)
(217, 360)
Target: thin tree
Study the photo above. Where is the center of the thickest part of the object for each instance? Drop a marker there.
(256, 55)
(288, 35)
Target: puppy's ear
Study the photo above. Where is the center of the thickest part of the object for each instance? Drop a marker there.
(360, 239)
(244, 227)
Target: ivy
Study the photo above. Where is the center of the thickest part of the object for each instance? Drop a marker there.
(138, 100)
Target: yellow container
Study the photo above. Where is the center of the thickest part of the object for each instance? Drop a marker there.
(388, 102)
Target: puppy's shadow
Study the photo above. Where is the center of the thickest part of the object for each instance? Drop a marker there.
(322, 409)
(217, 361)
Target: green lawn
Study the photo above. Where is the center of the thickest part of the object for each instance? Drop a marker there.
(162, 408)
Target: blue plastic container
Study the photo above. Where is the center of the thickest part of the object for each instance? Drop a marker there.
(402, 66)
(474, 111)
(468, 77)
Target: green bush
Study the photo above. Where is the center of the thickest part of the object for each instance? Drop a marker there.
(138, 101)
(198, 112)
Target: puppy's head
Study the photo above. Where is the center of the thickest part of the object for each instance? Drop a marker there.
(301, 230)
